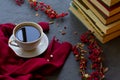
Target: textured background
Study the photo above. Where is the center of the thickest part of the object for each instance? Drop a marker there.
(10, 12)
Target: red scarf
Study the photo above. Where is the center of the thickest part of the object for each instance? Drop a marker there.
(13, 67)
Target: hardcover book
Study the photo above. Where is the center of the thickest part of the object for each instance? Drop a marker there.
(85, 21)
(106, 29)
(103, 18)
(110, 2)
(109, 11)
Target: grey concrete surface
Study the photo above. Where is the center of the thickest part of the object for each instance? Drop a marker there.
(10, 12)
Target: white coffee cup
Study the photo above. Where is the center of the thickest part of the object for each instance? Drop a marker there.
(27, 45)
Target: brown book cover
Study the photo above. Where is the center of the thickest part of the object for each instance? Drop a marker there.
(85, 21)
(109, 11)
(109, 8)
(106, 29)
(110, 2)
(104, 19)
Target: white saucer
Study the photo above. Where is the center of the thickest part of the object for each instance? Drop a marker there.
(28, 54)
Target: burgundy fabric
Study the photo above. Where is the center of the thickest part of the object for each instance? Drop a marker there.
(44, 25)
(13, 67)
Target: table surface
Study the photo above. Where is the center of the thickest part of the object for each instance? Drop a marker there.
(10, 12)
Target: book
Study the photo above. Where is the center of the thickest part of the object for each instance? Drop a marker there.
(84, 20)
(106, 29)
(109, 11)
(103, 18)
(110, 2)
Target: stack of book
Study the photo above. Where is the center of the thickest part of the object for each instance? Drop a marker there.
(102, 17)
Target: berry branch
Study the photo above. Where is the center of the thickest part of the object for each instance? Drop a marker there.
(95, 52)
(47, 9)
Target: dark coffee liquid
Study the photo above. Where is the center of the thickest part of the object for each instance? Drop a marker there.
(28, 34)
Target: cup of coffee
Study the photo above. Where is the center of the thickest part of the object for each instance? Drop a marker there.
(27, 35)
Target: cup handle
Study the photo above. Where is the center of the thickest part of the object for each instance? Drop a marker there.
(13, 43)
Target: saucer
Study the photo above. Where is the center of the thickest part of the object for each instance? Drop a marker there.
(33, 53)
